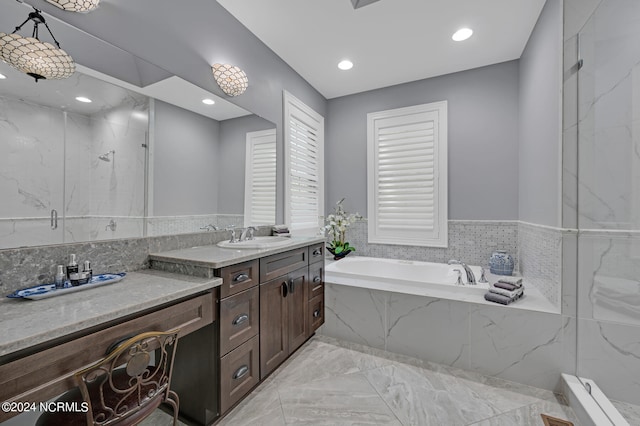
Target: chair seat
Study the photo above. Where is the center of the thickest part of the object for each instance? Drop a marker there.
(79, 418)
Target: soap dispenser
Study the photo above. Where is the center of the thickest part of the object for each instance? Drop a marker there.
(72, 267)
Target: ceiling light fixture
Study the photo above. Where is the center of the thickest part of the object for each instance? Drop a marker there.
(83, 99)
(208, 101)
(75, 5)
(39, 59)
(345, 65)
(231, 79)
(2, 76)
(462, 34)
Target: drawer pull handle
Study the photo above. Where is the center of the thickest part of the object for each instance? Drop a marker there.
(291, 285)
(317, 279)
(240, 319)
(240, 372)
(240, 278)
(285, 289)
(316, 313)
(317, 252)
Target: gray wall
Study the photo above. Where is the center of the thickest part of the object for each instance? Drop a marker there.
(231, 167)
(483, 140)
(541, 120)
(186, 156)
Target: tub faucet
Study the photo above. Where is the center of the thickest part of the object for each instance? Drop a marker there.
(471, 279)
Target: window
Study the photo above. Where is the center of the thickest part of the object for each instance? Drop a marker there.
(407, 175)
(260, 178)
(304, 166)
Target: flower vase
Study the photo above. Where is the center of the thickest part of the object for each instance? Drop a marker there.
(339, 255)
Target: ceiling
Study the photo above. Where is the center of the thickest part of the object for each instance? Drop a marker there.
(389, 41)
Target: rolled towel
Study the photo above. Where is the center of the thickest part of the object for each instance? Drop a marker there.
(510, 294)
(497, 298)
(505, 286)
(517, 281)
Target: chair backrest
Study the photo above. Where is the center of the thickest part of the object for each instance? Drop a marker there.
(128, 379)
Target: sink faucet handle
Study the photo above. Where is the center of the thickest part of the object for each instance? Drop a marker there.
(250, 231)
(483, 278)
(459, 281)
(233, 233)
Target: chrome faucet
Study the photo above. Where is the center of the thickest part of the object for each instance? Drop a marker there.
(233, 233)
(247, 234)
(471, 279)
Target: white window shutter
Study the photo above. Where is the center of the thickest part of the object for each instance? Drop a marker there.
(260, 178)
(407, 175)
(304, 166)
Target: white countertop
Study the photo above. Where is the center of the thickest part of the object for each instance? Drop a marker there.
(27, 323)
(216, 257)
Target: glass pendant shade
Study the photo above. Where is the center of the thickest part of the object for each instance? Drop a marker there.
(40, 60)
(231, 79)
(76, 5)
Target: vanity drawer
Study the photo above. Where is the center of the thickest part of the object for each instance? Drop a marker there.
(237, 278)
(316, 253)
(48, 373)
(316, 313)
(239, 319)
(316, 280)
(239, 373)
(280, 264)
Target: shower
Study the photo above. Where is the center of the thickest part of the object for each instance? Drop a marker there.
(105, 156)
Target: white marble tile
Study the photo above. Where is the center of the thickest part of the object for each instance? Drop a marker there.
(343, 400)
(355, 314)
(436, 330)
(261, 407)
(608, 353)
(569, 274)
(529, 415)
(576, 14)
(522, 346)
(630, 412)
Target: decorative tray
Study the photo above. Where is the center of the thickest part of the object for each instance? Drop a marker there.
(49, 290)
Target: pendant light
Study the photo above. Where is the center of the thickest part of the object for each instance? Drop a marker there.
(231, 79)
(39, 59)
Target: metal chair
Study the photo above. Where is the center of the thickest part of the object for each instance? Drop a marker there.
(123, 388)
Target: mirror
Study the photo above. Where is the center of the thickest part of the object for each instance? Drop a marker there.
(132, 162)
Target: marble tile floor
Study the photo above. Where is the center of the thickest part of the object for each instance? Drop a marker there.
(331, 382)
(630, 412)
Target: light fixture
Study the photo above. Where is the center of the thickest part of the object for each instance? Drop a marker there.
(39, 59)
(231, 79)
(462, 34)
(2, 76)
(83, 99)
(75, 5)
(208, 101)
(345, 65)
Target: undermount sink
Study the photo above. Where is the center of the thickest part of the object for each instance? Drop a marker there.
(257, 243)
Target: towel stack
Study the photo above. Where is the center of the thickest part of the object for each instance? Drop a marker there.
(505, 291)
(280, 230)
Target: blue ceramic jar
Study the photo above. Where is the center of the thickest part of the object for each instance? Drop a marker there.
(501, 263)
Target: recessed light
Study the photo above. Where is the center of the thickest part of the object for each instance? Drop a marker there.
(462, 34)
(83, 99)
(2, 76)
(345, 65)
(208, 101)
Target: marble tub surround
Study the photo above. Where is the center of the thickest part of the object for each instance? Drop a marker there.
(29, 266)
(28, 323)
(513, 344)
(212, 256)
(361, 385)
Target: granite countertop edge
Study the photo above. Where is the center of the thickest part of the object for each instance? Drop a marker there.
(218, 257)
(49, 319)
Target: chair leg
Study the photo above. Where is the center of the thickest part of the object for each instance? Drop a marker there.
(173, 400)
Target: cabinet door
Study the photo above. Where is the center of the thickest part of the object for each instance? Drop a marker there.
(274, 340)
(297, 306)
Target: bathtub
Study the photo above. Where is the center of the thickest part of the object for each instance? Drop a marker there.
(405, 276)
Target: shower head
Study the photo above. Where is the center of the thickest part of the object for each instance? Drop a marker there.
(105, 156)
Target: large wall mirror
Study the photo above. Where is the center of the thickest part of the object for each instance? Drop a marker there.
(132, 162)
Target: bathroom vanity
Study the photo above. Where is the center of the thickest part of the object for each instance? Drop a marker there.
(270, 302)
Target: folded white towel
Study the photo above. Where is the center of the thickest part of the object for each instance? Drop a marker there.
(517, 281)
(510, 294)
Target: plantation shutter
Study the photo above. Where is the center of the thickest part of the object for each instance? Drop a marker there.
(260, 178)
(407, 176)
(304, 144)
